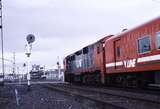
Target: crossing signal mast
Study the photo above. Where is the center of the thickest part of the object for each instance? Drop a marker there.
(1, 30)
(30, 39)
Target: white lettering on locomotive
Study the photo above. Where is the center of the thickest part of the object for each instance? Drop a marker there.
(129, 63)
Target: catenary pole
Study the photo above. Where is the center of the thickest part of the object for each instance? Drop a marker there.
(2, 48)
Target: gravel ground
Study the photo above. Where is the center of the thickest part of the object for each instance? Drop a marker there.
(118, 100)
(37, 98)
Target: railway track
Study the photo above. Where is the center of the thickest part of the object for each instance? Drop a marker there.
(142, 95)
(108, 99)
(85, 97)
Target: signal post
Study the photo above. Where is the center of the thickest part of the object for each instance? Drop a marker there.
(30, 39)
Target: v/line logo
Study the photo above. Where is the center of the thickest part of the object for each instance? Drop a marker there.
(129, 63)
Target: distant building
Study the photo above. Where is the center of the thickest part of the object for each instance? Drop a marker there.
(9, 77)
(13, 77)
(53, 74)
(37, 72)
(37, 68)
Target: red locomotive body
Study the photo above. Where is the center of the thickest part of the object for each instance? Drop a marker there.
(135, 53)
(131, 58)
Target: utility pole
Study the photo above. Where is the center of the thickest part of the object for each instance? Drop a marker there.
(14, 64)
(1, 30)
(60, 76)
(18, 75)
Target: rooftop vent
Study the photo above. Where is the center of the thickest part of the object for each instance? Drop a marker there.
(124, 29)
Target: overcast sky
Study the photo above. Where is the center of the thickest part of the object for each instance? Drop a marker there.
(64, 26)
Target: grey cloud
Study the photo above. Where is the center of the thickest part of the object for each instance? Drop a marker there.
(64, 23)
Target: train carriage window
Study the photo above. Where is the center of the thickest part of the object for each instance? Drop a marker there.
(144, 45)
(118, 51)
(158, 40)
(98, 50)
